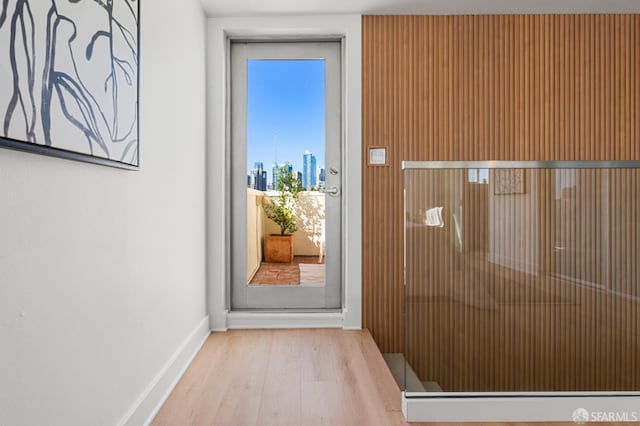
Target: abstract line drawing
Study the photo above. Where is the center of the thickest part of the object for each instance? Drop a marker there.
(69, 78)
(509, 181)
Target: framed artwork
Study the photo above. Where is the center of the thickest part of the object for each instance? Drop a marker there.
(69, 78)
(509, 181)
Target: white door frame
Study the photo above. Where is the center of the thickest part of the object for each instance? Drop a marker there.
(220, 30)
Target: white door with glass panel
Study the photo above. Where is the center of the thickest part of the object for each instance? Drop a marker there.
(286, 175)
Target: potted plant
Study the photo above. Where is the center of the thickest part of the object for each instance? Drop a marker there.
(281, 210)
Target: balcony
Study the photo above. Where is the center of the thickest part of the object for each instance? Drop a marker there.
(308, 239)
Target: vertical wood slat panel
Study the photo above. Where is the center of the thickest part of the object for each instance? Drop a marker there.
(548, 87)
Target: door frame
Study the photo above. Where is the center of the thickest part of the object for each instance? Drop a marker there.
(221, 31)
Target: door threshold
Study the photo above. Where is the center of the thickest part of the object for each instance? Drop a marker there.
(287, 310)
(285, 318)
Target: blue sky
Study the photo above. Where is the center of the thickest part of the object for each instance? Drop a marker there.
(285, 101)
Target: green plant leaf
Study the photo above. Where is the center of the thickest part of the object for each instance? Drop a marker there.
(281, 208)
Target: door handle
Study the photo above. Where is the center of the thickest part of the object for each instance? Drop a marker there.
(332, 190)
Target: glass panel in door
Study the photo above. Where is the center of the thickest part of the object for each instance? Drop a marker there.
(285, 135)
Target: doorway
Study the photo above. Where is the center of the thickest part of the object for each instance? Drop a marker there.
(286, 178)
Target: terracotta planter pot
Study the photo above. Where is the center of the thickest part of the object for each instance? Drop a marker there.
(278, 248)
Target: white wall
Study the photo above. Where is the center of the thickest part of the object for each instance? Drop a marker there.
(255, 231)
(102, 271)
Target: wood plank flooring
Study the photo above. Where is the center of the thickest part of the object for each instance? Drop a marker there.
(286, 377)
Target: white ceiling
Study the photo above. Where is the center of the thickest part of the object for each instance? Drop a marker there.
(420, 7)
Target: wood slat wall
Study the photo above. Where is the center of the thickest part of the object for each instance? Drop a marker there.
(508, 87)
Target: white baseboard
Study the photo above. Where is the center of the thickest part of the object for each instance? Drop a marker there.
(522, 409)
(255, 320)
(144, 409)
(219, 322)
(351, 321)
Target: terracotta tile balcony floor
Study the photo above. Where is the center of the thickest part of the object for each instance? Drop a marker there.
(282, 273)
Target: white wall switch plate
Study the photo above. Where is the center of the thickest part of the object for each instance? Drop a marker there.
(378, 156)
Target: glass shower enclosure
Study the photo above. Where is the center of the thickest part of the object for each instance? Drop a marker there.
(522, 287)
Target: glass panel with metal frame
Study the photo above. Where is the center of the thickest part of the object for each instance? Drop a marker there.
(522, 278)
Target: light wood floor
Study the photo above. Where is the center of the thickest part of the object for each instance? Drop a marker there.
(286, 377)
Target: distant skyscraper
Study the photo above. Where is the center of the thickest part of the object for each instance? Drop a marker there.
(308, 170)
(299, 174)
(258, 178)
(263, 181)
(276, 174)
(321, 178)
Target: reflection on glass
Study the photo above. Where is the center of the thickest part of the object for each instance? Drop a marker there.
(285, 172)
(528, 283)
(478, 176)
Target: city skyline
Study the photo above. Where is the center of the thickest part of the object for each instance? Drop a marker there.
(311, 175)
(285, 113)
